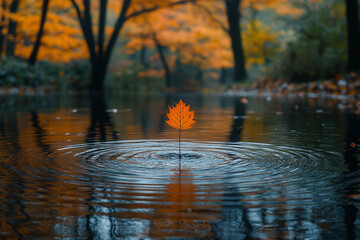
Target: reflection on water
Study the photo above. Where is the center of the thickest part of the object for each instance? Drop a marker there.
(101, 126)
(107, 168)
(184, 215)
(352, 158)
(239, 116)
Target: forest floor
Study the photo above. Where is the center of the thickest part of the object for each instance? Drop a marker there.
(343, 89)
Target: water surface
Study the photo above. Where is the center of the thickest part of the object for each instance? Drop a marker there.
(108, 168)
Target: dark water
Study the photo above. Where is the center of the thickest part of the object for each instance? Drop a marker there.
(107, 168)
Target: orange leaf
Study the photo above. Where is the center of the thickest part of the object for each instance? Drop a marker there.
(180, 117)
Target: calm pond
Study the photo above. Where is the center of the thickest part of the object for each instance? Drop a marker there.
(107, 168)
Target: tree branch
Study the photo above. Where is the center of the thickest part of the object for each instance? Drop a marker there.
(102, 22)
(147, 10)
(34, 53)
(88, 25)
(210, 15)
(2, 36)
(119, 23)
(85, 32)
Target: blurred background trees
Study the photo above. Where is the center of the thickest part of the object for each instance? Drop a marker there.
(353, 29)
(149, 45)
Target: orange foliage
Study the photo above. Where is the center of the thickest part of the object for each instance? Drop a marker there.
(152, 73)
(62, 40)
(282, 7)
(180, 117)
(194, 33)
(191, 37)
(197, 34)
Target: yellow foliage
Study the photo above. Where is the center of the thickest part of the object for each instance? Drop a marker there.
(259, 42)
(282, 7)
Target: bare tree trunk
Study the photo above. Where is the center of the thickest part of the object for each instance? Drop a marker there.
(143, 57)
(98, 74)
(99, 52)
(200, 76)
(33, 56)
(223, 76)
(353, 28)
(234, 17)
(163, 61)
(11, 35)
(99, 55)
(2, 36)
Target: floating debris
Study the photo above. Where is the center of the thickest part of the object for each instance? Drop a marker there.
(244, 100)
(114, 110)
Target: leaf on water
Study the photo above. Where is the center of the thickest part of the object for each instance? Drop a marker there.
(180, 117)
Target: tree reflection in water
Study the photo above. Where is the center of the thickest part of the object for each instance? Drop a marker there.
(178, 211)
(352, 157)
(238, 123)
(184, 215)
(48, 193)
(101, 124)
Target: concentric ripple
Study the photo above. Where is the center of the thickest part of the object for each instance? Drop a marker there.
(251, 168)
(210, 160)
(247, 164)
(143, 182)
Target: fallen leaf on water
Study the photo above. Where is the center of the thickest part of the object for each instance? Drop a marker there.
(180, 117)
(244, 100)
(354, 196)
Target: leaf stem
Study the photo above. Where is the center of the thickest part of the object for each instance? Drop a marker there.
(180, 143)
(180, 133)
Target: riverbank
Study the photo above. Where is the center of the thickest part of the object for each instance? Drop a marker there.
(343, 89)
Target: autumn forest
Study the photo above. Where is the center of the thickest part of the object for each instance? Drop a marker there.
(175, 44)
(180, 119)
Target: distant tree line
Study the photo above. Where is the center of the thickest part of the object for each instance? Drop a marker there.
(100, 38)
